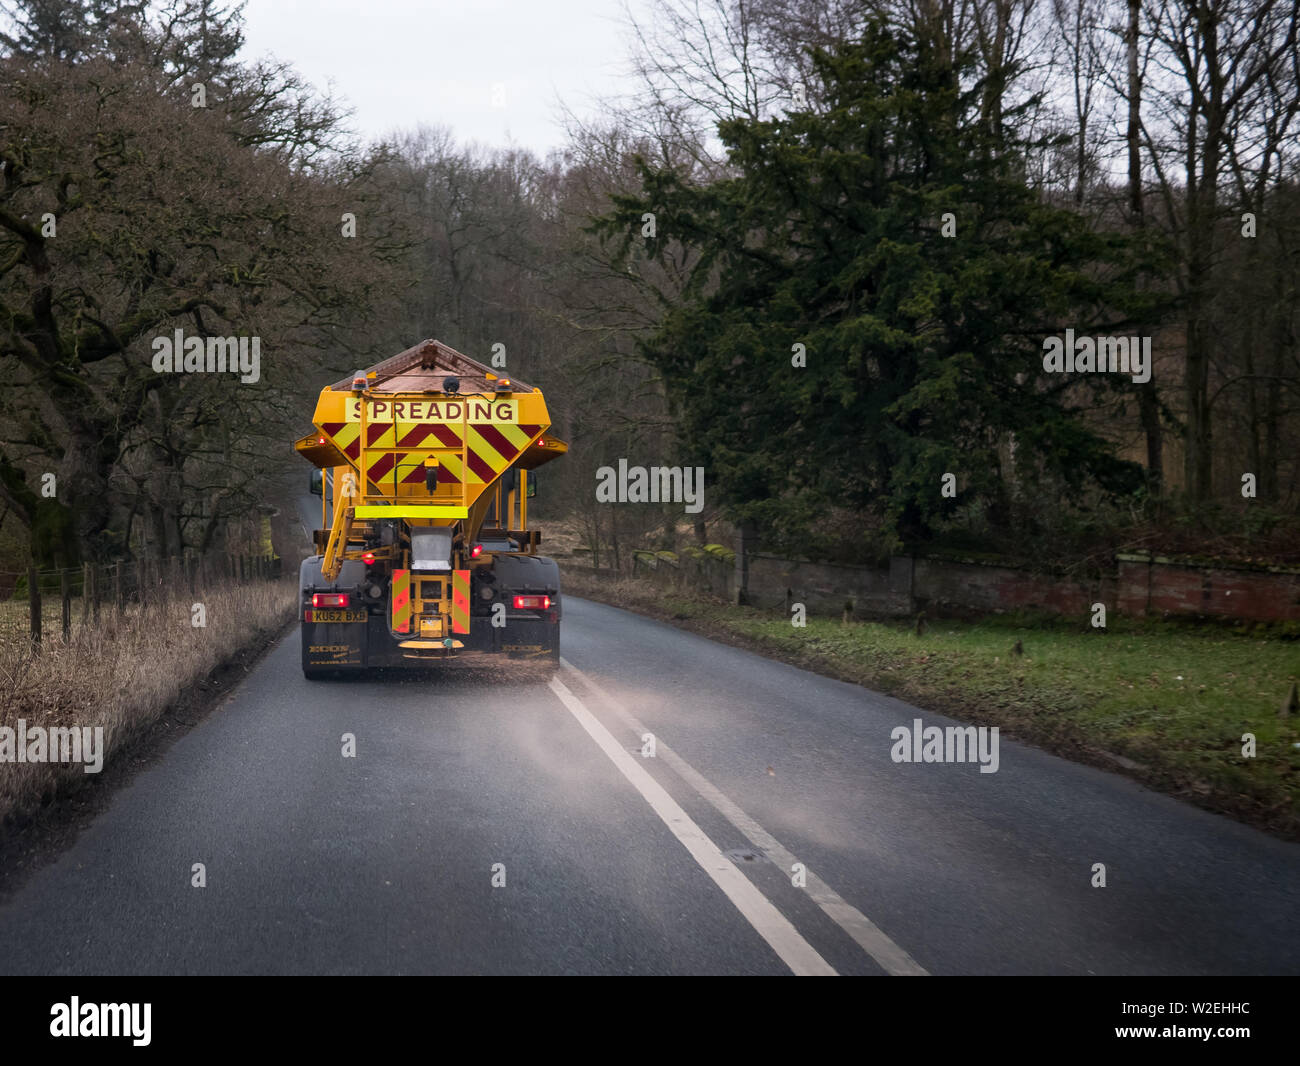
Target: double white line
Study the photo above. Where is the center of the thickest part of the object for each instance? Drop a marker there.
(802, 958)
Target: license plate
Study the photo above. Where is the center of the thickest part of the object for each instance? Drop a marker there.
(338, 616)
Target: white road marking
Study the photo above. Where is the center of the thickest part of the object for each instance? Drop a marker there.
(768, 922)
(870, 937)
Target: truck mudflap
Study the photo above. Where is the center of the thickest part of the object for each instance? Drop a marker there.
(528, 587)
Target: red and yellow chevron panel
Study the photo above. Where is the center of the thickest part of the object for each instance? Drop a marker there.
(492, 446)
(386, 470)
(392, 440)
(346, 435)
(401, 601)
(460, 601)
(380, 435)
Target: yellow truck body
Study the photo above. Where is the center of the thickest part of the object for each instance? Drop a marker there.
(425, 554)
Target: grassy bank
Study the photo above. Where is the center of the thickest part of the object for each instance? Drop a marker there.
(1164, 703)
(123, 674)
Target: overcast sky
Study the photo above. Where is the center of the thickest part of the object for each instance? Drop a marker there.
(491, 70)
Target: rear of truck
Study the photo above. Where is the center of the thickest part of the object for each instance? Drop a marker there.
(425, 556)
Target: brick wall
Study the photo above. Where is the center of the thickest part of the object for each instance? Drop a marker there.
(1165, 586)
(1137, 586)
(950, 586)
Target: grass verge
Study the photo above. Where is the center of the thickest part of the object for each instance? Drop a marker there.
(1163, 703)
(122, 675)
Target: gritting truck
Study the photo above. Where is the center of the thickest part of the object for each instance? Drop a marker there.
(425, 468)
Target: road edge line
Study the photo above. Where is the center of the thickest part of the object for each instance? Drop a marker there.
(780, 934)
(889, 955)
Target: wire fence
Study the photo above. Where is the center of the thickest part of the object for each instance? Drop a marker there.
(92, 588)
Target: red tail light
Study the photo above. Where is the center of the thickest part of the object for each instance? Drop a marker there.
(368, 558)
(532, 603)
(329, 599)
(476, 551)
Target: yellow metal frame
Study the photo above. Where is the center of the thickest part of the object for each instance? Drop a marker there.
(344, 509)
(378, 510)
(430, 591)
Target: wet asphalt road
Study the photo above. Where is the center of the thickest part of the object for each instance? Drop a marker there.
(385, 862)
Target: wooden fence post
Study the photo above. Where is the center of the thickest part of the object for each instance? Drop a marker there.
(85, 594)
(34, 603)
(65, 594)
